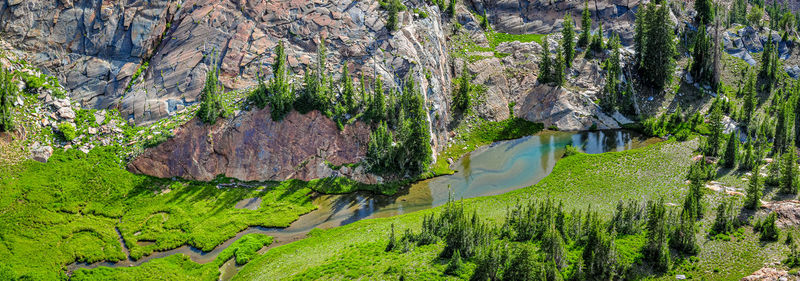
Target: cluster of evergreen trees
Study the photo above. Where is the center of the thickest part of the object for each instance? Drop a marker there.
(8, 91)
(211, 106)
(400, 143)
(654, 44)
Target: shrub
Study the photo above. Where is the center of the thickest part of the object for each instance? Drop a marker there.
(570, 150)
(769, 230)
(67, 131)
(7, 92)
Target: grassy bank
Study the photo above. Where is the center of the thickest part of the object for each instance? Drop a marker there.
(66, 210)
(641, 174)
(484, 132)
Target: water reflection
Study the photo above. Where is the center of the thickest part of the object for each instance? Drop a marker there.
(494, 169)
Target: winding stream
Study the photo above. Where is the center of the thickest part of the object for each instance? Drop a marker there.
(494, 169)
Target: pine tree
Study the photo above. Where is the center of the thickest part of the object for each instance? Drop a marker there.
(655, 250)
(702, 67)
(715, 126)
(211, 106)
(545, 65)
(461, 98)
(597, 39)
(280, 91)
(347, 97)
(749, 160)
(769, 230)
(377, 104)
(558, 70)
(455, 265)
(683, 238)
(415, 131)
(750, 101)
(731, 151)
(789, 174)
(7, 93)
(393, 9)
(523, 267)
(452, 8)
(640, 28)
(553, 247)
(705, 12)
(722, 222)
(568, 41)
(774, 176)
(586, 26)
(656, 58)
(754, 191)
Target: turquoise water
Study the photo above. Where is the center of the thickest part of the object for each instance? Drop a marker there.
(494, 169)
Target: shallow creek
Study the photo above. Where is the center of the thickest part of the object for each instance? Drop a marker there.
(494, 169)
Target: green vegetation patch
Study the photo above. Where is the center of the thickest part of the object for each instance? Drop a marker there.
(638, 174)
(175, 267)
(495, 38)
(67, 209)
(483, 133)
(244, 249)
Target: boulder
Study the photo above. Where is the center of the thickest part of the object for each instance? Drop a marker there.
(66, 113)
(298, 147)
(41, 152)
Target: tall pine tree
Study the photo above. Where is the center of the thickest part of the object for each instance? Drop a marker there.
(568, 40)
(586, 26)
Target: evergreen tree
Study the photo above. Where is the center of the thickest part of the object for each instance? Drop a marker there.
(553, 247)
(568, 41)
(731, 151)
(452, 8)
(455, 265)
(415, 131)
(754, 191)
(380, 153)
(347, 97)
(655, 250)
(640, 28)
(693, 204)
(558, 70)
(657, 62)
(774, 174)
(523, 267)
(789, 174)
(750, 157)
(702, 58)
(769, 230)
(461, 98)
(784, 127)
(545, 65)
(715, 126)
(705, 11)
(750, 101)
(377, 104)
(394, 7)
(8, 90)
(597, 39)
(683, 238)
(211, 106)
(280, 93)
(586, 26)
(722, 222)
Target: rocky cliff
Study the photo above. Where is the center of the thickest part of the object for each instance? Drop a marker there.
(96, 47)
(250, 146)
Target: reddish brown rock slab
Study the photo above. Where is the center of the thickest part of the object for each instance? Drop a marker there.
(253, 147)
(788, 212)
(770, 274)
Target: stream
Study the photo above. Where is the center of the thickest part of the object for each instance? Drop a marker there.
(490, 170)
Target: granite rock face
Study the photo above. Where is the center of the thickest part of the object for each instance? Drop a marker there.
(95, 47)
(251, 146)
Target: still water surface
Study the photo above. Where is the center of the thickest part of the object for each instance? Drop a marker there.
(498, 168)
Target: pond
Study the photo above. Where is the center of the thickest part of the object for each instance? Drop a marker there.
(494, 169)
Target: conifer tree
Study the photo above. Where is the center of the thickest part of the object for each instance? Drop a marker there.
(658, 46)
(377, 104)
(655, 250)
(568, 41)
(280, 93)
(211, 106)
(731, 151)
(347, 97)
(705, 12)
(558, 70)
(702, 67)
(7, 93)
(545, 64)
(586, 26)
(683, 238)
(774, 173)
(553, 247)
(461, 98)
(722, 222)
(715, 126)
(750, 101)
(769, 230)
(789, 174)
(597, 39)
(749, 160)
(752, 200)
